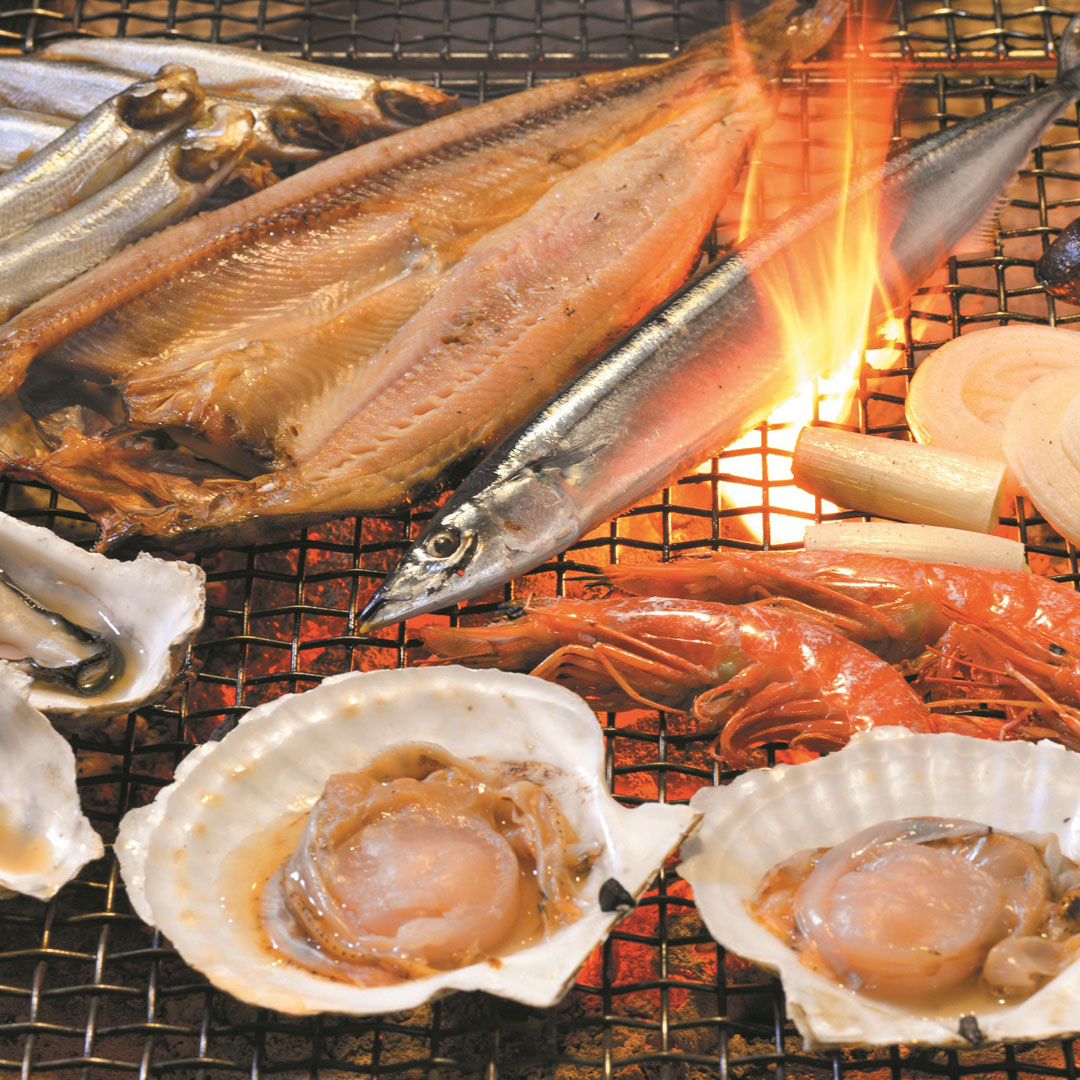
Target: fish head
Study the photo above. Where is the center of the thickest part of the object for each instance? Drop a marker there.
(478, 541)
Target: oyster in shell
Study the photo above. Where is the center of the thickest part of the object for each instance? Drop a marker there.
(45, 839)
(883, 776)
(97, 636)
(196, 860)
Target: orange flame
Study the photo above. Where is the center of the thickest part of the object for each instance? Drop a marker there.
(847, 134)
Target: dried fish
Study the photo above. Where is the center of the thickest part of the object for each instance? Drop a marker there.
(166, 185)
(294, 128)
(212, 346)
(98, 149)
(382, 105)
(23, 133)
(709, 364)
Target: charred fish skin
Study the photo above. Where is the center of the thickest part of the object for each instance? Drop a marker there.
(167, 184)
(99, 148)
(382, 105)
(23, 133)
(703, 368)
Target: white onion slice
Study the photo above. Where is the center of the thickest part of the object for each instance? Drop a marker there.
(961, 394)
(923, 543)
(1042, 447)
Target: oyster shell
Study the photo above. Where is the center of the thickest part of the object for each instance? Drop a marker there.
(44, 837)
(883, 775)
(191, 858)
(99, 637)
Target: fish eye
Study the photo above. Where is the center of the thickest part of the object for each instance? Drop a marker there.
(443, 544)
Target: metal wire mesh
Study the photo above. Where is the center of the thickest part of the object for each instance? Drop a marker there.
(86, 989)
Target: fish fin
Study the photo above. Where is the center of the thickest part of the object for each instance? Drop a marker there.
(986, 232)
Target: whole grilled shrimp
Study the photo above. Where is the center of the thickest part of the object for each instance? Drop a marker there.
(753, 674)
(969, 633)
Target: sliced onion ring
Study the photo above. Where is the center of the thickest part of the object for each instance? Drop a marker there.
(961, 394)
(1042, 447)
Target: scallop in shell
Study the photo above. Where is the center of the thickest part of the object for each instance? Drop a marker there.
(98, 637)
(196, 859)
(885, 775)
(45, 839)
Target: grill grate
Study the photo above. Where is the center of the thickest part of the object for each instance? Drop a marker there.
(87, 990)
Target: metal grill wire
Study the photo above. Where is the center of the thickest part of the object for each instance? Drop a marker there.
(87, 990)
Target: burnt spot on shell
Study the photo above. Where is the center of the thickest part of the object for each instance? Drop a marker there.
(970, 1031)
(615, 897)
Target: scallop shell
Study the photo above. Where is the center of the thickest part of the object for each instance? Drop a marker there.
(178, 855)
(882, 775)
(40, 815)
(149, 608)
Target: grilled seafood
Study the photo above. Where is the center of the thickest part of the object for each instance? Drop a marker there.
(335, 262)
(82, 625)
(714, 360)
(888, 775)
(380, 104)
(501, 868)
(918, 908)
(98, 149)
(23, 133)
(167, 184)
(396, 890)
(290, 129)
(972, 634)
(754, 674)
(45, 838)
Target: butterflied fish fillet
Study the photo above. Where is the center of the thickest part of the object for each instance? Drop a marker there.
(277, 337)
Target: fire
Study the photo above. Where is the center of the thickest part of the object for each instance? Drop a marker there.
(849, 135)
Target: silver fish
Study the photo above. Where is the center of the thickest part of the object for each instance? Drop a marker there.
(386, 104)
(23, 133)
(707, 365)
(291, 129)
(98, 149)
(167, 184)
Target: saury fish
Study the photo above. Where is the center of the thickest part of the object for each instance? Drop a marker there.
(709, 364)
(334, 342)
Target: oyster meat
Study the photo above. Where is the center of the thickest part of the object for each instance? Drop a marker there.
(834, 840)
(45, 839)
(469, 852)
(97, 636)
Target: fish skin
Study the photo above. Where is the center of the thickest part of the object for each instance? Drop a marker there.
(704, 367)
(290, 129)
(152, 194)
(23, 133)
(432, 191)
(386, 104)
(99, 148)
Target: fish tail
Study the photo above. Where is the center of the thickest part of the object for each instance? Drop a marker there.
(1069, 55)
(782, 32)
